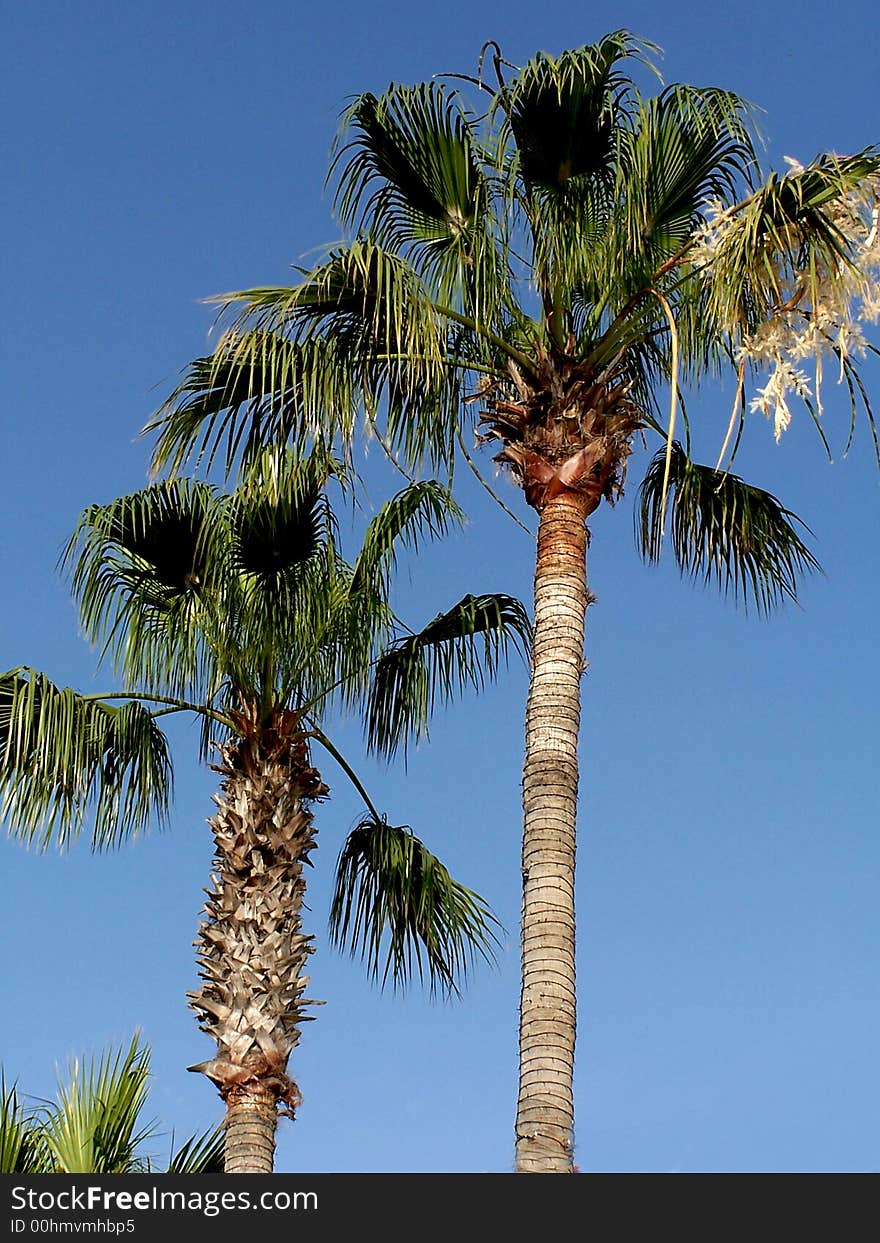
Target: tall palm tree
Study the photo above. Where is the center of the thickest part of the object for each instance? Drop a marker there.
(240, 609)
(543, 266)
(96, 1124)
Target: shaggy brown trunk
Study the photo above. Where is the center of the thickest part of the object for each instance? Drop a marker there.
(251, 948)
(545, 1114)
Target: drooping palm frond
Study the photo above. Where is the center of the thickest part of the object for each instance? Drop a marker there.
(66, 758)
(386, 338)
(94, 1127)
(785, 242)
(21, 1149)
(459, 648)
(396, 906)
(724, 530)
(424, 510)
(257, 388)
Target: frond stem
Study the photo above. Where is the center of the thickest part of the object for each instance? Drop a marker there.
(485, 483)
(737, 402)
(673, 405)
(173, 705)
(500, 344)
(320, 736)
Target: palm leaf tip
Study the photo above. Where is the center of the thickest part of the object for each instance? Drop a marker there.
(396, 906)
(723, 530)
(424, 510)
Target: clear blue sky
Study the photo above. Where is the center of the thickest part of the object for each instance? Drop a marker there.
(729, 853)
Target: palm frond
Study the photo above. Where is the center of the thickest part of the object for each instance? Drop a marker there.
(723, 530)
(145, 568)
(21, 1150)
(369, 311)
(94, 1127)
(200, 1154)
(687, 145)
(560, 111)
(257, 389)
(65, 758)
(413, 155)
(396, 906)
(280, 515)
(423, 510)
(459, 648)
(283, 612)
(415, 142)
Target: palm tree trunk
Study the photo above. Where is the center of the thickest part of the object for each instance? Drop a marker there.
(251, 1118)
(251, 947)
(545, 1114)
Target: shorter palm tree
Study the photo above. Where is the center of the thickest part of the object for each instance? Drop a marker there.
(240, 609)
(96, 1124)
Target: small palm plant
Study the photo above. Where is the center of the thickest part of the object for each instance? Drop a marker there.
(96, 1124)
(239, 608)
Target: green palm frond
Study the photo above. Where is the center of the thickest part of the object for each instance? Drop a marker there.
(459, 648)
(66, 757)
(94, 1127)
(373, 324)
(723, 530)
(396, 906)
(415, 142)
(21, 1149)
(145, 569)
(280, 515)
(200, 1154)
(361, 292)
(285, 626)
(561, 111)
(687, 145)
(424, 510)
(413, 155)
(257, 388)
(163, 529)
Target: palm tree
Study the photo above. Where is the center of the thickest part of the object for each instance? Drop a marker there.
(95, 1126)
(240, 609)
(540, 266)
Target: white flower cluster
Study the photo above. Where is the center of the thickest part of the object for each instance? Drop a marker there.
(821, 312)
(707, 241)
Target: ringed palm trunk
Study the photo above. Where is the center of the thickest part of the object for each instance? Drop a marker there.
(545, 1113)
(251, 948)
